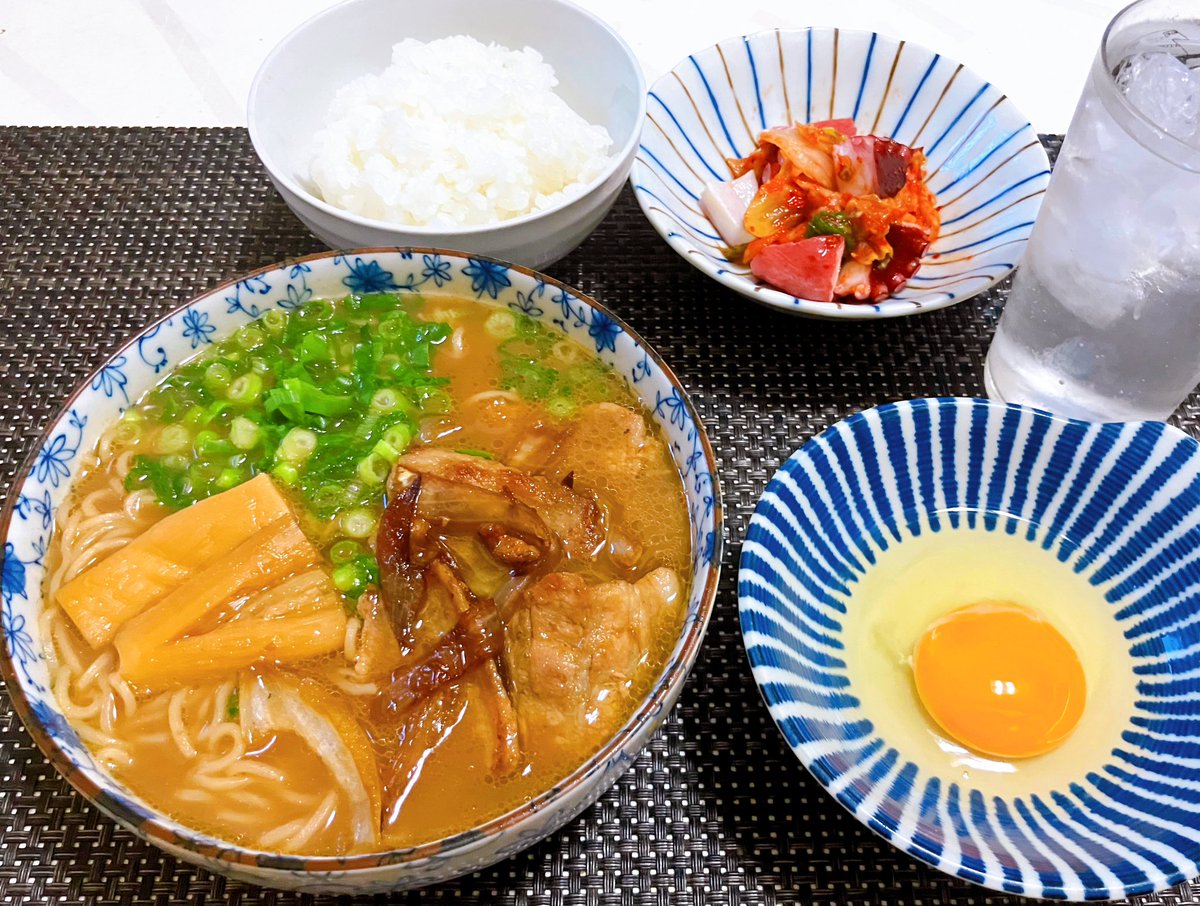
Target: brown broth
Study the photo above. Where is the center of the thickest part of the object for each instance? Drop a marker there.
(455, 790)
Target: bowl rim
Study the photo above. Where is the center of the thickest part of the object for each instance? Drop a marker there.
(151, 826)
(991, 878)
(775, 299)
(616, 158)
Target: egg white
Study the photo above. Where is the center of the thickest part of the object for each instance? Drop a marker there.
(924, 577)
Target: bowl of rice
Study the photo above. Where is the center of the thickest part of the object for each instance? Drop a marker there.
(501, 129)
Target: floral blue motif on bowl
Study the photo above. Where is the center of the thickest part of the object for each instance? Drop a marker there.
(43, 484)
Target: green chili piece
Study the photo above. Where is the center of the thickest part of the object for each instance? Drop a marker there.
(831, 223)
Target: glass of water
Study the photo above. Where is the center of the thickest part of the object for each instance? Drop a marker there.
(1103, 321)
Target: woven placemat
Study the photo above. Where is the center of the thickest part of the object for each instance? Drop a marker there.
(101, 230)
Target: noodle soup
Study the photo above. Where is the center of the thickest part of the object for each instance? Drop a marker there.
(366, 575)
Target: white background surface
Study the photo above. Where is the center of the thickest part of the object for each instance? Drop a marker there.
(190, 62)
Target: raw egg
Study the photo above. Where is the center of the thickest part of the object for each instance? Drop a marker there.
(985, 660)
(1000, 680)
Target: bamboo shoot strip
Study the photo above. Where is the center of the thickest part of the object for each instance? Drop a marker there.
(264, 560)
(240, 644)
(305, 594)
(100, 600)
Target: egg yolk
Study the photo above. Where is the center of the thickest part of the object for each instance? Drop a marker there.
(1000, 680)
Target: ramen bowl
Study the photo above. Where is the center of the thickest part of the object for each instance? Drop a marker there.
(985, 164)
(599, 77)
(1111, 511)
(44, 480)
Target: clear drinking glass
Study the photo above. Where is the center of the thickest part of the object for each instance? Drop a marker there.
(1104, 317)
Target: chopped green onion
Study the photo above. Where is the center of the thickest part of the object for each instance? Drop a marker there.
(436, 402)
(329, 497)
(527, 376)
(568, 353)
(370, 566)
(228, 478)
(217, 377)
(250, 336)
(357, 523)
(214, 411)
(394, 328)
(294, 397)
(173, 439)
(354, 576)
(285, 472)
(386, 400)
(374, 469)
(560, 407)
(386, 451)
(126, 432)
(165, 482)
(175, 462)
(344, 551)
(399, 437)
(297, 445)
(274, 320)
(501, 324)
(209, 443)
(324, 398)
(472, 451)
(244, 434)
(345, 577)
(201, 475)
(233, 708)
(378, 301)
(246, 389)
(313, 348)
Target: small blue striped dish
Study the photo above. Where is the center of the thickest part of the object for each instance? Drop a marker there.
(1118, 505)
(985, 163)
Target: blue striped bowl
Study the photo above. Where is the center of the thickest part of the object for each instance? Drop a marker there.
(1119, 504)
(985, 162)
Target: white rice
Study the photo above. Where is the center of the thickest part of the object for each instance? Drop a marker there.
(455, 133)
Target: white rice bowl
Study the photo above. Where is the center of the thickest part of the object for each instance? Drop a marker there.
(455, 133)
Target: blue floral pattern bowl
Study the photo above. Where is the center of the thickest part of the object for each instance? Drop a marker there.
(44, 480)
(1119, 504)
(986, 165)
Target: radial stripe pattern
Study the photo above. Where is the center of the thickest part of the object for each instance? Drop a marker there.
(1118, 503)
(985, 162)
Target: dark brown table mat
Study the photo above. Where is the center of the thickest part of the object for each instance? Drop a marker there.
(101, 230)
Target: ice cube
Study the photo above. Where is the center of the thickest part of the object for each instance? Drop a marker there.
(1162, 87)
